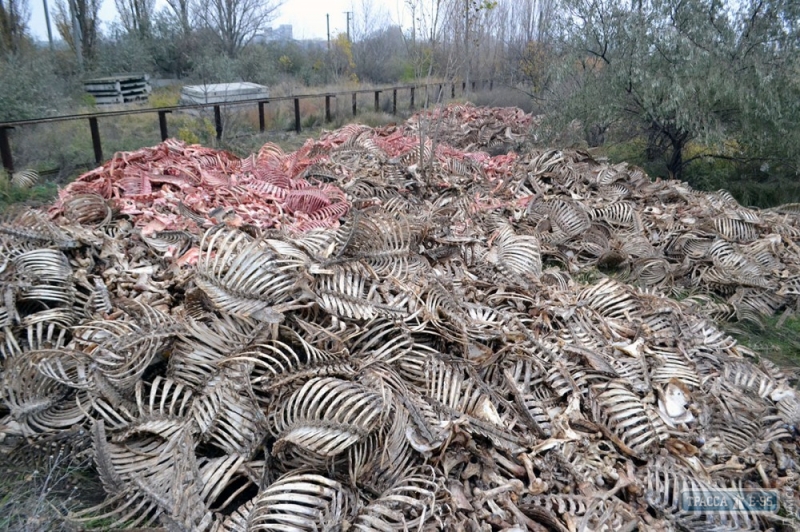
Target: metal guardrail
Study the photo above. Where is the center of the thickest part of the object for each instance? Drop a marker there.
(5, 127)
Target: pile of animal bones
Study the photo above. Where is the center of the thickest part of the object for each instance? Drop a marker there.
(383, 332)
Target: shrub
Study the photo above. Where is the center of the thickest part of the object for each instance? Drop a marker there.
(30, 87)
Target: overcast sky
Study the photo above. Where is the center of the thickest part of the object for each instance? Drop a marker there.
(307, 17)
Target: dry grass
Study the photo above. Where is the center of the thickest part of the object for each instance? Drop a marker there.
(501, 96)
(38, 498)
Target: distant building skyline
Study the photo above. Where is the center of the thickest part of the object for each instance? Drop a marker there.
(282, 33)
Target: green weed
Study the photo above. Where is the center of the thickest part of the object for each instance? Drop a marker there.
(165, 97)
(778, 339)
(35, 195)
(311, 121)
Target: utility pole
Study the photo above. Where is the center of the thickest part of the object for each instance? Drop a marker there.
(348, 13)
(328, 22)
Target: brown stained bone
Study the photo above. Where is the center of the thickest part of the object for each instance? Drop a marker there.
(399, 334)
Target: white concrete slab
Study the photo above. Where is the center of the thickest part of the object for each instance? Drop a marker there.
(223, 92)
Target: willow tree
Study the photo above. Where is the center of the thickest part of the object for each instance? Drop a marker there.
(682, 70)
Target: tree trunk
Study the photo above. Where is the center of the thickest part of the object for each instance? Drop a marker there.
(596, 135)
(655, 148)
(675, 163)
(466, 45)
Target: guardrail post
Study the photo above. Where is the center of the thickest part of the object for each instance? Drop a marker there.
(377, 101)
(394, 101)
(162, 124)
(327, 107)
(297, 115)
(473, 86)
(463, 87)
(5, 150)
(218, 121)
(491, 85)
(412, 98)
(452, 91)
(355, 103)
(98, 148)
(262, 122)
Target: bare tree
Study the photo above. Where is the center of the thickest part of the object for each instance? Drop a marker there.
(136, 15)
(85, 12)
(380, 56)
(182, 9)
(531, 20)
(428, 18)
(368, 18)
(530, 37)
(236, 22)
(427, 23)
(14, 16)
(372, 45)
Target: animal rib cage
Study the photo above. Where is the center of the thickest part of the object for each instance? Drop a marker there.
(381, 333)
